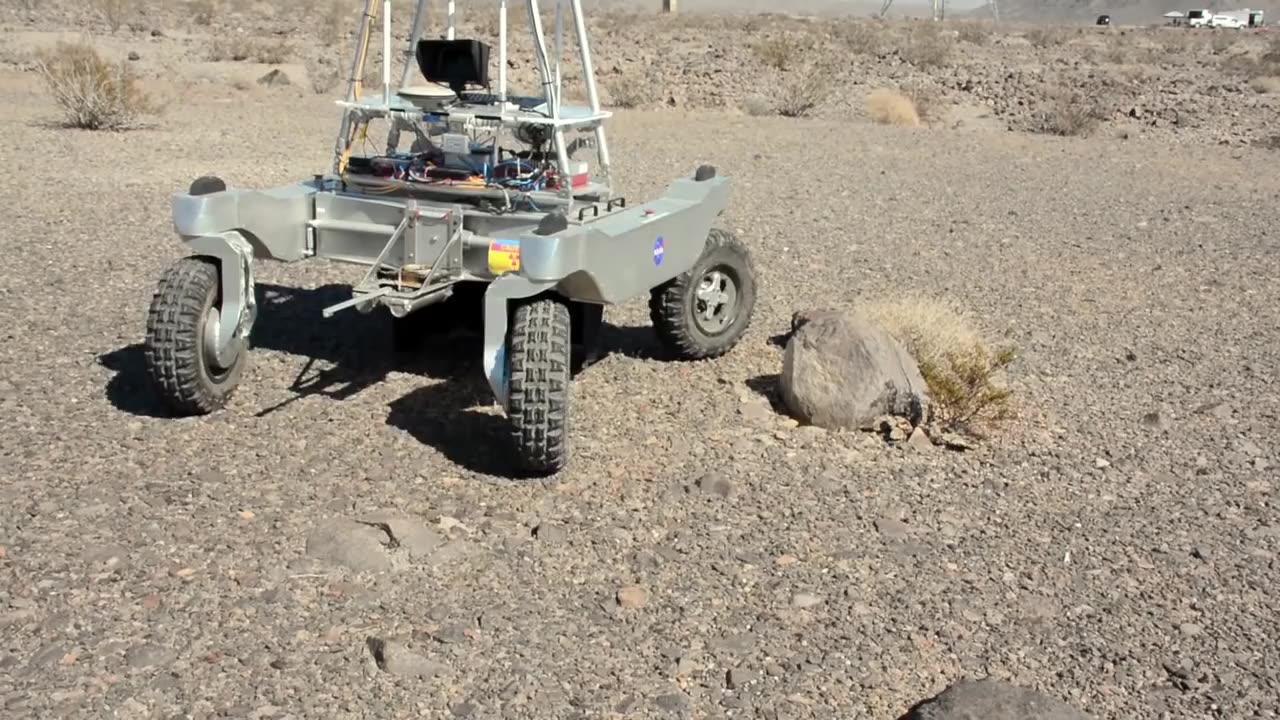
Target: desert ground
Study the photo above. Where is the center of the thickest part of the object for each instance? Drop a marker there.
(1112, 545)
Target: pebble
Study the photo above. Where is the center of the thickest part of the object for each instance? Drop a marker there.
(806, 600)
(632, 597)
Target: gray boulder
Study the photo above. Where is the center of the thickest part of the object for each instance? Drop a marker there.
(992, 700)
(843, 371)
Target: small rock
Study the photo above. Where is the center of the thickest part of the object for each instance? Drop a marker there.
(1153, 420)
(134, 56)
(394, 657)
(633, 597)
(737, 678)
(550, 533)
(714, 484)
(671, 702)
(274, 78)
(357, 546)
(1101, 463)
(992, 700)
(1191, 628)
(892, 528)
(919, 440)
(148, 655)
(806, 600)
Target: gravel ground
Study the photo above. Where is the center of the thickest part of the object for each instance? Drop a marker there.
(700, 557)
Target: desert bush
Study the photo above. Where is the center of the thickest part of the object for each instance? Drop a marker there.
(238, 48)
(861, 38)
(92, 93)
(926, 48)
(335, 23)
(804, 90)
(963, 369)
(627, 91)
(889, 107)
(1045, 37)
(1221, 42)
(780, 51)
(1070, 113)
(926, 99)
(202, 12)
(973, 32)
(115, 13)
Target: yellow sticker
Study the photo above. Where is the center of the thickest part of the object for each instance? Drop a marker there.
(504, 256)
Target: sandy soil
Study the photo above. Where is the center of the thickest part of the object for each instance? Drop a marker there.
(701, 557)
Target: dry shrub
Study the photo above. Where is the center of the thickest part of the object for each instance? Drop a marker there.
(889, 107)
(322, 74)
(238, 48)
(964, 371)
(1045, 37)
(627, 91)
(115, 13)
(974, 32)
(926, 48)
(804, 90)
(335, 23)
(1070, 113)
(93, 93)
(927, 100)
(861, 38)
(1266, 85)
(780, 51)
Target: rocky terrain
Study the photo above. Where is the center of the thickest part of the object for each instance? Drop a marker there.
(345, 539)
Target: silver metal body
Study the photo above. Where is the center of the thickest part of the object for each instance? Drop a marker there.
(416, 241)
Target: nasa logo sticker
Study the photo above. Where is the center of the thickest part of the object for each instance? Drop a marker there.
(659, 249)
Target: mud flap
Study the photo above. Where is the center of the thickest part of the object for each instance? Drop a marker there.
(497, 300)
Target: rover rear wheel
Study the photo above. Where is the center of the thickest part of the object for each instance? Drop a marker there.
(182, 329)
(702, 313)
(538, 377)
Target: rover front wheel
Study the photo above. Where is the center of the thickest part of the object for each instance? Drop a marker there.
(538, 376)
(182, 327)
(702, 313)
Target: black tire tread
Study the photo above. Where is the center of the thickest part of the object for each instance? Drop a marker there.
(539, 356)
(173, 340)
(667, 304)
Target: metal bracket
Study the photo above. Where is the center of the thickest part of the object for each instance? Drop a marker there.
(235, 260)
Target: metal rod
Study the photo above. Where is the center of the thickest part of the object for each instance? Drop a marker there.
(559, 50)
(415, 33)
(449, 33)
(367, 297)
(386, 52)
(377, 262)
(593, 94)
(357, 68)
(502, 50)
(540, 53)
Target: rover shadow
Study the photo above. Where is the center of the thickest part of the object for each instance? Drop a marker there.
(350, 352)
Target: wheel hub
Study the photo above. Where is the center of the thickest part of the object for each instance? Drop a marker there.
(716, 300)
(212, 326)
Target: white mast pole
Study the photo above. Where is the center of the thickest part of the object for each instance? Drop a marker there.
(386, 52)
(502, 51)
(452, 12)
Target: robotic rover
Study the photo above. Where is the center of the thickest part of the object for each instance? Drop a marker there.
(535, 235)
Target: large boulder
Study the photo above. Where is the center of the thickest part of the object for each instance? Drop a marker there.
(992, 700)
(844, 371)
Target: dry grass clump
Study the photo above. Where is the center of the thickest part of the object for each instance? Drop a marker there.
(115, 13)
(626, 91)
(804, 90)
(964, 371)
(974, 32)
(780, 51)
(925, 48)
(889, 107)
(1046, 37)
(1070, 113)
(238, 48)
(93, 94)
(861, 38)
